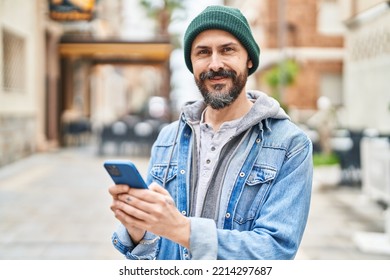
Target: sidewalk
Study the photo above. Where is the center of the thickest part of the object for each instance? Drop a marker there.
(56, 206)
(338, 216)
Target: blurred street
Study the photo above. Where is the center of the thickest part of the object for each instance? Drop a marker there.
(56, 206)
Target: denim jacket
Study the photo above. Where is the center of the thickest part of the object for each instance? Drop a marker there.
(265, 189)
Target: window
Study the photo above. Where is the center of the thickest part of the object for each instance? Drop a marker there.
(331, 86)
(14, 62)
(329, 18)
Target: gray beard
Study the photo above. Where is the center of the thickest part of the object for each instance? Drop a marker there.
(220, 99)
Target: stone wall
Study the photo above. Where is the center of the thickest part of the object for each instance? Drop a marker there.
(16, 138)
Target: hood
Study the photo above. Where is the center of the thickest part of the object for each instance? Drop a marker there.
(264, 107)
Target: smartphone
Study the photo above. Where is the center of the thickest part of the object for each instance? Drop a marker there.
(125, 173)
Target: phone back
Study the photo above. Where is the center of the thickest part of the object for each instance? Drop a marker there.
(125, 172)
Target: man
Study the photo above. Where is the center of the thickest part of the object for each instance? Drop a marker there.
(231, 179)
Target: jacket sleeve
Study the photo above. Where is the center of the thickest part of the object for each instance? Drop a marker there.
(203, 239)
(146, 249)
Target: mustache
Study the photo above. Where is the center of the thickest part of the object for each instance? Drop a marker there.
(220, 73)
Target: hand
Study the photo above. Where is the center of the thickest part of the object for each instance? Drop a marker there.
(136, 234)
(153, 210)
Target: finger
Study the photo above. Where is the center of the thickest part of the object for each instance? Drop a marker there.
(133, 222)
(145, 195)
(124, 218)
(150, 201)
(115, 205)
(131, 210)
(140, 204)
(158, 189)
(126, 198)
(118, 189)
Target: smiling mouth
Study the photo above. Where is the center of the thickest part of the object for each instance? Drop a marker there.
(218, 79)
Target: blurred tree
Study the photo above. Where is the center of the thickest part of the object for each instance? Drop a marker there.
(280, 76)
(161, 11)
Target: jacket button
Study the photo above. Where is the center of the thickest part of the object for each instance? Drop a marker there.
(227, 216)
(184, 212)
(242, 174)
(258, 140)
(115, 241)
(182, 171)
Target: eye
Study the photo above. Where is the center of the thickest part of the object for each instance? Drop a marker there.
(227, 49)
(203, 51)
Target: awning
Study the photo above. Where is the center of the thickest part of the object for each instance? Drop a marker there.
(116, 50)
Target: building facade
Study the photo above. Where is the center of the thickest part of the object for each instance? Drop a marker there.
(58, 67)
(22, 84)
(341, 48)
(310, 33)
(367, 65)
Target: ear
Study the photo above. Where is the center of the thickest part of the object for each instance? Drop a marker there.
(249, 63)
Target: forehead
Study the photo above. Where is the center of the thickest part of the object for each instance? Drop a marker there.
(213, 37)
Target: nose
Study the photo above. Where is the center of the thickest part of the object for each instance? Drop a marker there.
(216, 62)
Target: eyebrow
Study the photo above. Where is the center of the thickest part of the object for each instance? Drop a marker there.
(221, 46)
(229, 44)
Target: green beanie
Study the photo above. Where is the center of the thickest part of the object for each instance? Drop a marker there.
(227, 19)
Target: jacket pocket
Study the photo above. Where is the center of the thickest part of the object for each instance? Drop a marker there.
(253, 193)
(158, 172)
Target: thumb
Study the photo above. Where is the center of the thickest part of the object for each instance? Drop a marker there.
(158, 189)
